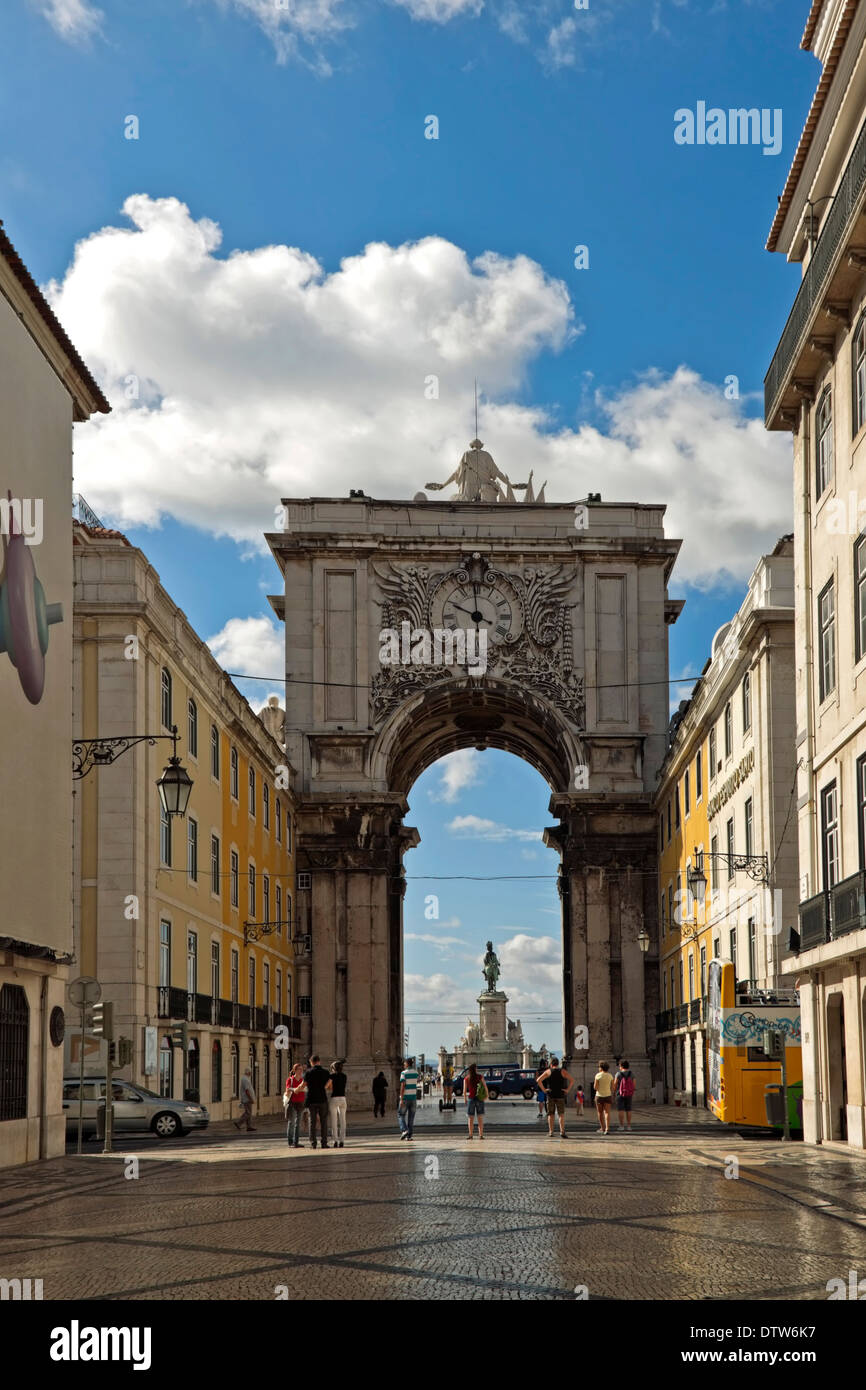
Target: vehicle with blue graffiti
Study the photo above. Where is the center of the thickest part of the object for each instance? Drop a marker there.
(743, 1078)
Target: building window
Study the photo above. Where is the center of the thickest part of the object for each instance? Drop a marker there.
(214, 752)
(289, 912)
(252, 793)
(192, 728)
(669, 821)
(215, 865)
(729, 730)
(166, 1067)
(279, 1002)
(14, 1052)
(267, 1052)
(664, 991)
(824, 444)
(279, 909)
(677, 806)
(703, 970)
(712, 753)
(717, 948)
(747, 702)
(861, 808)
(288, 832)
(252, 982)
(235, 972)
(214, 970)
(266, 983)
(749, 818)
(830, 835)
(729, 832)
(236, 1071)
(288, 994)
(266, 806)
(304, 1003)
(860, 596)
(251, 895)
(673, 991)
(165, 954)
(699, 773)
(191, 962)
(233, 773)
(691, 975)
(165, 836)
(662, 915)
(671, 923)
(714, 863)
(233, 878)
(165, 703)
(192, 849)
(734, 950)
(216, 1071)
(681, 974)
(826, 640)
(266, 898)
(858, 362)
(753, 950)
(687, 792)
(278, 813)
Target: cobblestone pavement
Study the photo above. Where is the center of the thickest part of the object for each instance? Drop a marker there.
(648, 1215)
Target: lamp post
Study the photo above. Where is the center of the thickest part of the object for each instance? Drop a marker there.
(643, 940)
(175, 784)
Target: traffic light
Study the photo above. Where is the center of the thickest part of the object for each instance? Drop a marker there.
(102, 1021)
(179, 1035)
(124, 1051)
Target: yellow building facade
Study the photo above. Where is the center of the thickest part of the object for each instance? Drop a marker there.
(726, 796)
(186, 922)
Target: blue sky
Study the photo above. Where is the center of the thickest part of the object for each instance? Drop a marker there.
(262, 373)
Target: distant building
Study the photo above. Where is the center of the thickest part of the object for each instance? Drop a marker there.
(183, 920)
(816, 387)
(44, 388)
(726, 792)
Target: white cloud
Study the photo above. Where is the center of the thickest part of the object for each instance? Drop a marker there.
(255, 645)
(261, 376)
(457, 772)
(438, 993)
(476, 827)
(532, 961)
(76, 21)
(442, 943)
(560, 44)
(296, 28)
(441, 11)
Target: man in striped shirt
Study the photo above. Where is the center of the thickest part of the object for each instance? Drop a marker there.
(408, 1098)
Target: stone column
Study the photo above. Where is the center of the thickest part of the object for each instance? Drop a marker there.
(354, 855)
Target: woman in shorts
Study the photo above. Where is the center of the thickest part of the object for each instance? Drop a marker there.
(603, 1084)
(474, 1105)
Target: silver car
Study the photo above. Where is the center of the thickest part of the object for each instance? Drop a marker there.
(135, 1108)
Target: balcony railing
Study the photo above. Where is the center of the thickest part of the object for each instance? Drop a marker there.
(814, 921)
(222, 1013)
(812, 291)
(848, 905)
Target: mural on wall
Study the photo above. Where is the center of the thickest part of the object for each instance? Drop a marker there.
(25, 617)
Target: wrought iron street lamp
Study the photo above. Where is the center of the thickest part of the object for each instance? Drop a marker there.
(643, 940)
(757, 866)
(175, 784)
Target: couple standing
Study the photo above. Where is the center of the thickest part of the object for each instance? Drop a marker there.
(323, 1095)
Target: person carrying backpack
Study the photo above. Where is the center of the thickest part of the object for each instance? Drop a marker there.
(625, 1088)
(475, 1091)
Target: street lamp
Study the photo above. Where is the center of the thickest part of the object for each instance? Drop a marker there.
(175, 784)
(643, 940)
(757, 866)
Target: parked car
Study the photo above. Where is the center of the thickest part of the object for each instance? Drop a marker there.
(519, 1083)
(135, 1109)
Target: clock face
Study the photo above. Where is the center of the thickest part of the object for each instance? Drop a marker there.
(487, 606)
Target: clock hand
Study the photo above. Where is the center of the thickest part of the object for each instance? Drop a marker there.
(460, 609)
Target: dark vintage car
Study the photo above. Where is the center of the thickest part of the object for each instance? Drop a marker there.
(502, 1081)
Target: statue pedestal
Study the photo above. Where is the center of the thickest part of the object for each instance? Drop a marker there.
(493, 1020)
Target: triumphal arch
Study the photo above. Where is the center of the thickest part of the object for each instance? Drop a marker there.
(385, 603)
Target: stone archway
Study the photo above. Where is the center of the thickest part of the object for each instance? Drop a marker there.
(575, 683)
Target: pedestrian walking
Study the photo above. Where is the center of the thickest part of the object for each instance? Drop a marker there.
(318, 1084)
(624, 1085)
(294, 1099)
(579, 1099)
(380, 1094)
(337, 1104)
(247, 1098)
(475, 1091)
(556, 1084)
(408, 1099)
(603, 1085)
(540, 1097)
